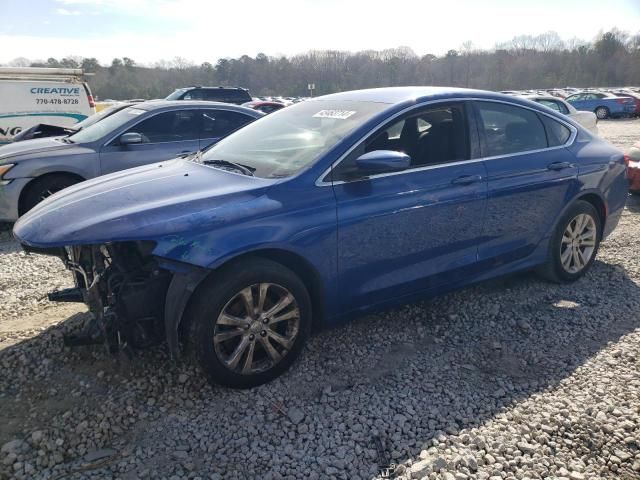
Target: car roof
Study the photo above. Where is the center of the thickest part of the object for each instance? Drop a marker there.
(395, 95)
(183, 104)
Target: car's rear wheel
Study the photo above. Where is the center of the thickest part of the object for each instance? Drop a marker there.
(249, 322)
(574, 244)
(602, 113)
(43, 187)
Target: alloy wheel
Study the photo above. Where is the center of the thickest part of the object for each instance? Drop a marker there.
(578, 243)
(256, 328)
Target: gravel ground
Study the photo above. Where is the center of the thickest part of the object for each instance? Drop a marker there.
(512, 379)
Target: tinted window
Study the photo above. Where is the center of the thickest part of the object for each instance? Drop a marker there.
(557, 133)
(509, 129)
(218, 123)
(225, 95)
(176, 126)
(193, 95)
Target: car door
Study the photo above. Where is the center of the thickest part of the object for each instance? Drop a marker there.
(405, 232)
(216, 124)
(165, 135)
(530, 178)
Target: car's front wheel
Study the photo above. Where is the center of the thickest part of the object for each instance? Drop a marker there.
(574, 244)
(249, 322)
(43, 187)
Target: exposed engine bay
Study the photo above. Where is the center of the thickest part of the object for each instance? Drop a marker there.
(125, 290)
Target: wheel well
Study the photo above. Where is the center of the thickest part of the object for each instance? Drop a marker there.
(302, 268)
(598, 204)
(27, 188)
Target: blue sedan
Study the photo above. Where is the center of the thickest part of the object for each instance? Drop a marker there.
(603, 104)
(324, 210)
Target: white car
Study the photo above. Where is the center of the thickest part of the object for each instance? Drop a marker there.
(587, 119)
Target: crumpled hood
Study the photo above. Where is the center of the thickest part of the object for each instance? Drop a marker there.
(142, 203)
(13, 151)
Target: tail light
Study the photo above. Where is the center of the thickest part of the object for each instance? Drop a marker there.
(627, 159)
(92, 104)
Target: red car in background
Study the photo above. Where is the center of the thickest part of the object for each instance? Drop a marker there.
(264, 106)
(632, 159)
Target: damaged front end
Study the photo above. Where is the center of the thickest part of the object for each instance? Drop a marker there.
(125, 290)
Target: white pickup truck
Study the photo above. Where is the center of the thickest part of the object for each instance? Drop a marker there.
(31, 95)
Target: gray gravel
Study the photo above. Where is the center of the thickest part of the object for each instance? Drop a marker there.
(512, 379)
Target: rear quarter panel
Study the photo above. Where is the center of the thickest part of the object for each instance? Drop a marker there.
(601, 170)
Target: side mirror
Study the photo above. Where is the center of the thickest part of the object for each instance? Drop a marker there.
(382, 161)
(130, 138)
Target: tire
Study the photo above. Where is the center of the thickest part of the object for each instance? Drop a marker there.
(602, 113)
(216, 339)
(559, 271)
(42, 187)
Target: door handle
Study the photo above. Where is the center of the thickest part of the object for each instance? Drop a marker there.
(466, 179)
(559, 165)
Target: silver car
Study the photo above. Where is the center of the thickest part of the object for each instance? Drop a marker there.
(143, 133)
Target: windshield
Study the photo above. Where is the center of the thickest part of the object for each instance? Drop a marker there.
(291, 139)
(96, 117)
(100, 129)
(176, 94)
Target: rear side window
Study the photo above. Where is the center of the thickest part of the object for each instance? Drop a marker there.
(509, 129)
(219, 123)
(557, 133)
(176, 126)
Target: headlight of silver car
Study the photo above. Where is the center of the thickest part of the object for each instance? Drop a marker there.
(4, 169)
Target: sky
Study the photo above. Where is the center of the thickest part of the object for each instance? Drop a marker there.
(206, 30)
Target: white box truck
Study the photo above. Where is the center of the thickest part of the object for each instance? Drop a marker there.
(33, 95)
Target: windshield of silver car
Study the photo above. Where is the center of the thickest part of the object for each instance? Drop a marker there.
(104, 127)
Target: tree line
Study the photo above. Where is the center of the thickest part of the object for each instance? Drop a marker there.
(524, 62)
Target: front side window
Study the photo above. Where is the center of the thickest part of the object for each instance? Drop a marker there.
(282, 144)
(193, 95)
(434, 136)
(219, 123)
(509, 129)
(175, 126)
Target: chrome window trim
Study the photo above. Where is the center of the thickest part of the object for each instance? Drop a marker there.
(321, 183)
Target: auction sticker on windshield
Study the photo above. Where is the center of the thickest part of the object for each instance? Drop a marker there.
(339, 114)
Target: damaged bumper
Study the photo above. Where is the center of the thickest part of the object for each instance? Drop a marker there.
(136, 300)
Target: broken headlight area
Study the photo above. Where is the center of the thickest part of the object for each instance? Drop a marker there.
(125, 290)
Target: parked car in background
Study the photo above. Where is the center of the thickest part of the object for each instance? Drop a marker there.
(631, 94)
(587, 119)
(234, 95)
(43, 130)
(603, 104)
(264, 107)
(137, 135)
(332, 207)
(32, 95)
(632, 159)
